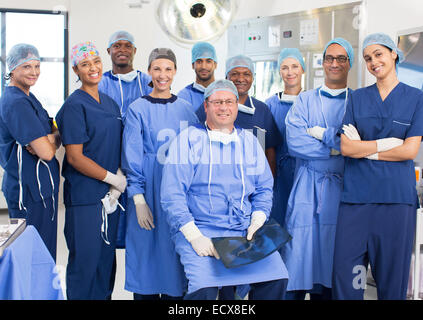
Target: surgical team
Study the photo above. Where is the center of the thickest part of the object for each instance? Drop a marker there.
(161, 174)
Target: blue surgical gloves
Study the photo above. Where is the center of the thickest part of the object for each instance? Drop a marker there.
(202, 245)
(384, 144)
(144, 215)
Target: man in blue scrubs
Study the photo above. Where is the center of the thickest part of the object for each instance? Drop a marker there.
(217, 182)
(312, 126)
(253, 114)
(123, 84)
(204, 63)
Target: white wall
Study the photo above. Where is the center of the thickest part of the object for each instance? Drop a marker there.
(96, 20)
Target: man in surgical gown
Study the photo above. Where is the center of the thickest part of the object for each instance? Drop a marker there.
(312, 126)
(253, 115)
(124, 84)
(217, 183)
(204, 63)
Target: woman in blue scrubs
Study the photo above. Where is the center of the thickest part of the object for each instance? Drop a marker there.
(381, 137)
(153, 268)
(91, 128)
(28, 143)
(291, 68)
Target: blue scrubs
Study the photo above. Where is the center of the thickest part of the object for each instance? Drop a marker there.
(152, 264)
(285, 162)
(314, 200)
(261, 123)
(217, 186)
(379, 197)
(124, 93)
(193, 96)
(98, 127)
(22, 120)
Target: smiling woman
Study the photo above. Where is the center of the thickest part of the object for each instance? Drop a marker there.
(27, 148)
(149, 248)
(90, 124)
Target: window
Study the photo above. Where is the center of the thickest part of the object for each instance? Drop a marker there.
(47, 31)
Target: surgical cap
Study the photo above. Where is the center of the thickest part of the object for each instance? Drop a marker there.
(161, 53)
(347, 46)
(82, 51)
(121, 35)
(21, 53)
(239, 61)
(220, 85)
(384, 40)
(203, 50)
(291, 53)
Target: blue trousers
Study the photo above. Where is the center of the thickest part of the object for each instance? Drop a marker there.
(270, 290)
(90, 273)
(39, 217)
(154, 297)
(318, 292)
(379, 234)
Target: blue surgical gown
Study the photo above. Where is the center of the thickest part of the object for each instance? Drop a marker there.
(285, 162)
(124, 93)
(261, 123)
(220, 204)
(193, 96)
(314, 200)
(152, 265)
(400, 115)
(22, 120)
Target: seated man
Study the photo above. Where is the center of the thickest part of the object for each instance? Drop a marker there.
(217, 183)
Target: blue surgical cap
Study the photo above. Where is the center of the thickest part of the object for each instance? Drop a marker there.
(121, 35)
(384, 40)
(347, 46)
(291, 53)
(203, 50)
(239, 61)
(21, 53)
(220, 85)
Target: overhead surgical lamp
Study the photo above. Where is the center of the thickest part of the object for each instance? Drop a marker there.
(190, 21)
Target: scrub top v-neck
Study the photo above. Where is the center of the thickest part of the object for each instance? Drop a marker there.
(98, 126)
(399, 115)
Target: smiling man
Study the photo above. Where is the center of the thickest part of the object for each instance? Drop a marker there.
(223, 190)
(124, 84)
(312, 126)
(253, 114)
(204, 63)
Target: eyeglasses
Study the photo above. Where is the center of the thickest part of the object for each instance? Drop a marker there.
(339, 59)
(218, 103)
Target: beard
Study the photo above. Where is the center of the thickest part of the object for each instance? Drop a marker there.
(122, 65)
(204, 78)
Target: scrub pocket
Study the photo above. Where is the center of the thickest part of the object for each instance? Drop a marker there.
(399, 128)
